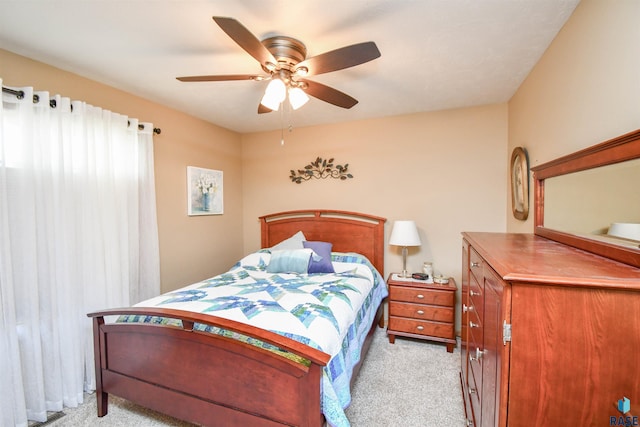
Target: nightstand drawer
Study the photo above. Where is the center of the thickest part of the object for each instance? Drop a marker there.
(421, 296)
(424, 312)
(421, 327)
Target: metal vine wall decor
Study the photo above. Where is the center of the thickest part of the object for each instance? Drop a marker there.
(321, 169)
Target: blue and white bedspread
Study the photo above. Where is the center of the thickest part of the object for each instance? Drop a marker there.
(329, 311)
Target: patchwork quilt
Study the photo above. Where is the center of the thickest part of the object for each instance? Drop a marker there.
(328, 311)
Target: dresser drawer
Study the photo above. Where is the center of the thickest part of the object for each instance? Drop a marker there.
(475, 331)
(475, 368)
(475, 396)
(475, 265)
(421, 327)
(421, 311)
(421, 296)
(476, 296)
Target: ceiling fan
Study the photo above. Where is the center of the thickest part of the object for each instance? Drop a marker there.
(284, 60)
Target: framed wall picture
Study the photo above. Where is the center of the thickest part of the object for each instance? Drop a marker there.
(519, 183)
(204, 191)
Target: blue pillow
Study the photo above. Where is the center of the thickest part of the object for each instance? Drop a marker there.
(323, 250)
(289, 261)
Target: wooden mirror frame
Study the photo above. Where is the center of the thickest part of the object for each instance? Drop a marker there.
(622, 148)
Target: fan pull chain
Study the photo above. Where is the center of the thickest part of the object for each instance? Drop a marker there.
(285, 105)
(282, 125)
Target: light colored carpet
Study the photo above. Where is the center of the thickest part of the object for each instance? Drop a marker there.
(409, 383)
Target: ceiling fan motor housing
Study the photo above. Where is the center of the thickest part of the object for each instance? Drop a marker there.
(287, 51)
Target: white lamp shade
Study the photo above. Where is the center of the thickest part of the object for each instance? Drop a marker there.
(404, 233)
(626, 230)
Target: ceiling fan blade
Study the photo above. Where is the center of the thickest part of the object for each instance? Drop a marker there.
(342, 58)
(329, 94)
(245, 39)
(262, 109)
(220, 78)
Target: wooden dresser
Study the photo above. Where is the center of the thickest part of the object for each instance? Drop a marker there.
(550, 334)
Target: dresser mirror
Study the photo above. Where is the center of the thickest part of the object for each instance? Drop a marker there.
(591, 199)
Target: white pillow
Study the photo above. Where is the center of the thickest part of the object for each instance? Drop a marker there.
(293, 242)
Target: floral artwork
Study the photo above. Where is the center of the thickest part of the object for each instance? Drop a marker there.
(204, 191)
(321, 169)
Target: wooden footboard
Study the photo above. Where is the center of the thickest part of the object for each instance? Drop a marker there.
(205, 378)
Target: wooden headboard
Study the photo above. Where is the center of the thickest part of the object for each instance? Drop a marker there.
(348, 231)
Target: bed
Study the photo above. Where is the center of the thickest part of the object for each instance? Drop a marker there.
(169, 360)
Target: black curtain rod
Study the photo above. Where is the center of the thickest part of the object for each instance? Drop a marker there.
(20, 95)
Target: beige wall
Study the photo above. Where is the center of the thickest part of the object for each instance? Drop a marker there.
(445, 170)
(191, 248)
(584, 90)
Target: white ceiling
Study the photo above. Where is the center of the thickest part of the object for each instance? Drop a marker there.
(436, 54)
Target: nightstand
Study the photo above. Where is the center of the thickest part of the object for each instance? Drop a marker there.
(422, 310)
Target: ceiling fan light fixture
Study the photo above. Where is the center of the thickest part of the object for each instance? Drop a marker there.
(297, 97)
(270, 102)
(275, 93)
(277, 88)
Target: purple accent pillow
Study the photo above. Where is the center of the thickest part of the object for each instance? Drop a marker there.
(323, 250)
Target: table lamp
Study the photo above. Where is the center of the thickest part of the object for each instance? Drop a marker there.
(404, 234)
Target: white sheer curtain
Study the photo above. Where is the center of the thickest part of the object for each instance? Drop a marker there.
(78, 233)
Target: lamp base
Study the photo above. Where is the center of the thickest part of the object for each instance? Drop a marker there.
(405, 273)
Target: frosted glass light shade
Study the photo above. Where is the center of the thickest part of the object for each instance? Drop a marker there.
(275, 93)
(404, 233)
(297, 97)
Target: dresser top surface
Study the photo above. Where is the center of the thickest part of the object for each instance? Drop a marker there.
(520, 257)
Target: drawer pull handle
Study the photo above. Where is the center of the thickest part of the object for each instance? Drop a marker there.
(420, 328)
(473, 325)
(466, 308)
(420, 312)
(475, 264)
(474, 293)
(479, 354)
(420, 296)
